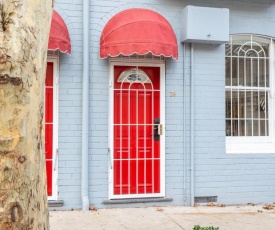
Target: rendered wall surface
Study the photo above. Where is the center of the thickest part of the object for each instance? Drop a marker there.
(70, 96)
(238, 178)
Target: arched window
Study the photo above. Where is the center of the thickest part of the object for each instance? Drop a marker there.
(248, 89)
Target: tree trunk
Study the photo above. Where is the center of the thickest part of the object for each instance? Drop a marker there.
(24, 29)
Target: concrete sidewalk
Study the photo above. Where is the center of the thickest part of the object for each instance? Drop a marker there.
(166, 218)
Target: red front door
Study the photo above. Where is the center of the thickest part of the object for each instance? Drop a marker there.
(137, 130)
(49, 126)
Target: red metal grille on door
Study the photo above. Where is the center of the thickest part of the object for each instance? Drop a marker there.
(49, 125)
(137, 129)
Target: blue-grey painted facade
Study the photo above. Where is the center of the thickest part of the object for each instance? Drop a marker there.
(233, 178)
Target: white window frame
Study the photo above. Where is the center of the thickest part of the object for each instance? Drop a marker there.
(135, 62)
(54, 57)
(258, 144)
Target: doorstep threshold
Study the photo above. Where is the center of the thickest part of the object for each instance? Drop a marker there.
(137, 200)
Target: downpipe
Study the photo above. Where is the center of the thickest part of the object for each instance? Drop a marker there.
(184, 120)
(85, 109)
(192, 158)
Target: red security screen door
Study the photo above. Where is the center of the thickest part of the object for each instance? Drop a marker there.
(136, 131)
(49, 126)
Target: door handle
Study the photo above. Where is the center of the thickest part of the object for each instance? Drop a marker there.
(157, 129)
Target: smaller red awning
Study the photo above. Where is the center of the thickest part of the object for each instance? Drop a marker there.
(138, 31)
(59, 36)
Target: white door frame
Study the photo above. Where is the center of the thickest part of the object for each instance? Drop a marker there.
(135, 62)
(55, 60)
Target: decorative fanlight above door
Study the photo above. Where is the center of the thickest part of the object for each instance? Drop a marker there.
(134, 75)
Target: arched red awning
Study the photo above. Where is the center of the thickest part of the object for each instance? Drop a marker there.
(59, 36)
(139, 31)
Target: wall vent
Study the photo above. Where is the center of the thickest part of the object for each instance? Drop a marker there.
(205, 199)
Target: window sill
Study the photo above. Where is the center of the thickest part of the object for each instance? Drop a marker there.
(247, 151)
(246, 145)
(141, 200)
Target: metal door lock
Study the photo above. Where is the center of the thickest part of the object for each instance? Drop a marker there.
(157, 129)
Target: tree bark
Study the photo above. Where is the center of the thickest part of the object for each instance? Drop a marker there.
(24, 29)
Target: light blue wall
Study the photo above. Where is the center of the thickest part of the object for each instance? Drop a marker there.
(233, 178)
(70, 95)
